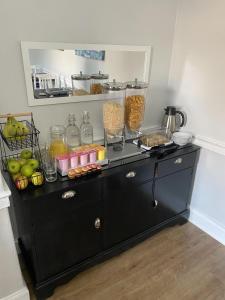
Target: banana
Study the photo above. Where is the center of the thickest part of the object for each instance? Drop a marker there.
(9, 131)
(14, 128)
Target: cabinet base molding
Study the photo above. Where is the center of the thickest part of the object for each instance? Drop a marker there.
(46, 288)
(208, 225)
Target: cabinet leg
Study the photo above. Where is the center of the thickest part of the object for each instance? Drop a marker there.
(183, 221)
(43, 295)
(184, 217)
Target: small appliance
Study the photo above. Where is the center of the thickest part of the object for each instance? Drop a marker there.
(173, 119)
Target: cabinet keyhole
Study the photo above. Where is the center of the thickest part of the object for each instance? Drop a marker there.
(97, 223)
(155, 203)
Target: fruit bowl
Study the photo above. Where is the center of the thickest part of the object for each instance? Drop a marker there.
(19, 134)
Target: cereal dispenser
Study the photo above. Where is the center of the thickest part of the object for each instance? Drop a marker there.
(113, 113)
(135, 107)
(97, 83)
(81, 84)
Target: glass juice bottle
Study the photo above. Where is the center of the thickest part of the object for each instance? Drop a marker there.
(72, 133)
(57, 143)
(86, 129)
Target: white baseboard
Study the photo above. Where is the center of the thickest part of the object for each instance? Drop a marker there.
(215, 230)
(22, 294)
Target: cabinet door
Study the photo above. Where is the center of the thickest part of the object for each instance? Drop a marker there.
(128, 208)
(73, 236)
(171, 194)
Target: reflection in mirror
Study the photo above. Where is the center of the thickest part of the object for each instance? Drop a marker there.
(76, 72)
(62, 72)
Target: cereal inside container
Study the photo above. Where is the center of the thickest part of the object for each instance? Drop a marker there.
(135, 105)
(113, 111)
(97, 83)
(81, 84)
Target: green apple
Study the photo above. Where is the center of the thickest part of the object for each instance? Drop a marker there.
(21, 182)
(27, 170)
(26, 154)
(34, 163)
(37, 178)
(13, 166)
(22, 161)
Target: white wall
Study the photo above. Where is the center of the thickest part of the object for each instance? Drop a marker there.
(12, 285)
(11, 282)
(148, 22)
(197, 85)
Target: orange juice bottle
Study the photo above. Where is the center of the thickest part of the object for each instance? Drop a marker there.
(57, 144)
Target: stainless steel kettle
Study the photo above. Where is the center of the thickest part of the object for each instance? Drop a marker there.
(173, 119)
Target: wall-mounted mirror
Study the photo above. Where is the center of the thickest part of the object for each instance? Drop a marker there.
(62, 73)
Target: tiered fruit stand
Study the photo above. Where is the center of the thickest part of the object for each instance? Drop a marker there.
(11, 143)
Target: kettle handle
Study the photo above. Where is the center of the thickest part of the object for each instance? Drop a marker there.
(182, 117)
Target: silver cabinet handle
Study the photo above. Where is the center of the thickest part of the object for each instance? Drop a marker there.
(131, 174)
(97, 223)
(178, 160)
(155, 203)
(68, 194)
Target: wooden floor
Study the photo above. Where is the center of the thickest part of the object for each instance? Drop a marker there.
(181, 262)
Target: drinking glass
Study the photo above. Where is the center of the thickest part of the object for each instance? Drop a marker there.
(50, 168)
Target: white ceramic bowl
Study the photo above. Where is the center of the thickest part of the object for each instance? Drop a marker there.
(181, 138)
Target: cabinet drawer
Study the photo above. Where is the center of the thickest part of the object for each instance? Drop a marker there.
(133, 173)
(59, 205)
(175, 164)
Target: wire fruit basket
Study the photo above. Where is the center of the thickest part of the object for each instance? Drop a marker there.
(20, 151)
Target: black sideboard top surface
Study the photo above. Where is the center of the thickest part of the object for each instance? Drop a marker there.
(32, 193)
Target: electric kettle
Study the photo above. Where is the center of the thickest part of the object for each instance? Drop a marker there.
(173, 119)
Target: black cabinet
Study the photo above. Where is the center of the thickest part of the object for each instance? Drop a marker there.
(65, 227)
(171, 194)
(128, 210)
(128, 198)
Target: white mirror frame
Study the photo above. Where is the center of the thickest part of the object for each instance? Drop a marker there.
(26, 46)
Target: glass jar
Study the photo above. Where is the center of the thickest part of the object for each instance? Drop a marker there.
(72, 133)
(135, 105)
(86, 130)
(81, 84)
(97, 83)
(113, 111)
(57, 143)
